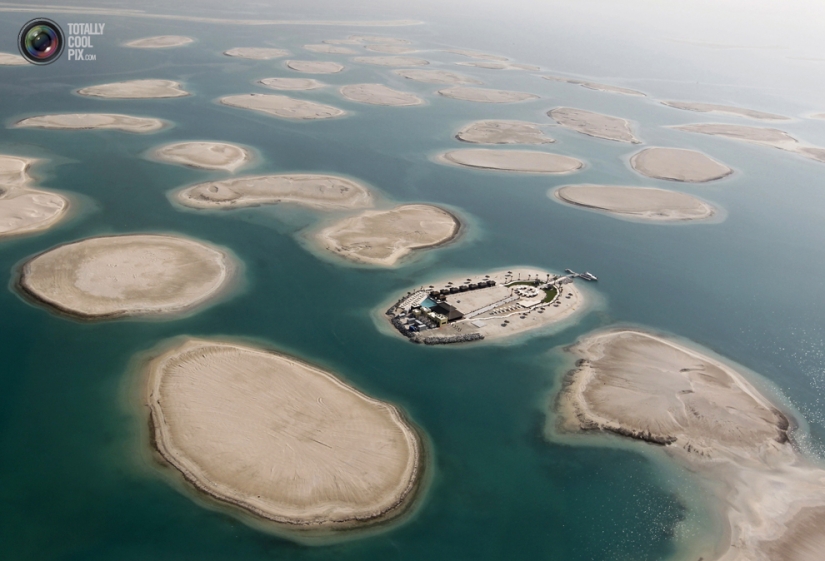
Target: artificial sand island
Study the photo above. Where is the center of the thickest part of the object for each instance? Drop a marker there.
(385, 237)
(130, 275)
(595, 86)
(159, 42)
(391, 49)
(378, 39)
(136, 89)
(726, 109)
(379, 94)
(491, 306)
(292, 84)
(323, 192)
(256, 53)
(773, 138)
(493, 65)
(528, 161)
(391, 60)
(9, 59)
(283, 106)
(677, 164)
(204, 155)
(94, 121)
(435, 76)
(24, 209)
(330, 49)
(280, 438)
(503, 132)
(314, 66)
(594, 124)
(476, 54)
(640, 203)
(709, 418)
(486, 95)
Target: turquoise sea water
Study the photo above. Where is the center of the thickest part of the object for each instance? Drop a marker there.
(77, 481)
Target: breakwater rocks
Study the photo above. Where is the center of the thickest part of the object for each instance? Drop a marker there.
(416, 336)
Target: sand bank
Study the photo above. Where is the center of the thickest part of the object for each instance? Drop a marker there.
(87, 121)
(292, 84)
(283, 106)
(379, 94)
(330, 49)
(594, 124)
(130, 275)
(676, 164)
(325, 192)
(436, 76)
(314, 66)
(280, 438)
(486, 95)
(159, 42)
(644, 203)
(773, 138)
(391, 60)
(377, 39)
(493, 65)
(595, 86)
(204, 155)
(708, 417)
(256, 53)
(391, 49)
(9, 59)
(342, 42)
(23, 209)
(726, 109)
(503, 132)
(385, 237)
(529, 161)
(476, 54)
(136, 89)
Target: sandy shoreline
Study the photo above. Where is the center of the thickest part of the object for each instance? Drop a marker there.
(596, 86)
(11, 59)
(24, 209)
(594, 124)
(136, 89)
(314, 66)
(90, 121)
(725, 109)
(676, 164)
(486, 95)
(292, 84)
(283, 106)
(391, 61)
(379, 94)
(773, 138)
(204, 155)
(159, 42)
(503, 132)
(523, 161)
(329, 49)
(643, 203)
(429, 76)
(256, 53)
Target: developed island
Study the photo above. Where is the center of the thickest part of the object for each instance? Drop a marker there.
(595, 86)
(24, 209)
(726, 109)
(529, 161)
(492, 306)
(136, 89)
(486, 95)
(130, 275)
(279, 438)
(709, 418)
(324, 192)
(295, 84)
(283, 106)
(503, 132)
(773, 138)
(89, 121)
(204, 155)
(256, 53)
(330, 49)
(677, 164)
(391, 60)
(385, 237)
(642, 203)
(159, 42)
(379, 94)
(436, 76)
(594, 124)
(314, 66)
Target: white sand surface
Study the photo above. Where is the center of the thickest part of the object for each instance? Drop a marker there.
(342, 42)
(292, 84)
(323, 192)
(391, 60)
(256, 53)
(385, 237)
(594, 124)
(436, 76)
(530, 161)
(204, 155)
(379, 94)
(378, 39)
(503, 132)
(314, 66)
(390, 49)
(24, 209)
(283, 106)
(84, 121)
(476, 54)
(11, 59)
(129, 275)
(773, 138)
(818, 116)
(493, 65)
(676, 164)
(644, 203)
(136, 89)
(486, 95)
(280, 438)
(596, 86)
(330, 49)
(159, 42)
(726, 109)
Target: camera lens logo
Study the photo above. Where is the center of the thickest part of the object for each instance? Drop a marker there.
(40, 41)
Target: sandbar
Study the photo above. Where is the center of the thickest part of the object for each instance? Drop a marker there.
(436, 76)
(486, 95)
(159, 42)
(643, 203)
(342, 41)
(676, 164)
(330, 49)
(596, 86)
(503, 132)
(324, 192)
(283, 106)
(773, 138)
(391, 60)
(529, 161)
(136, 89)
(727, 109)
(280, 438)
(377, 39)
(476, 54)
(594, 124)
(314, 66)
(129, 275)
(379, 94)
(88, 121)
(390, 49)
(9, 59)
(706, 416)
(204, 155)
(24, 209)
(385, 237)
(256, 53)
(493, 65)
(292, 84)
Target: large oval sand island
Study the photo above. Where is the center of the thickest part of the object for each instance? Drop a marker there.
(23, 209)
(283, 106)
(527, 161)
(486, 95)
(131, 275)
(204, 155)
(136, 89)
(159, 42)
(594, 124)
(379, 94)
(279, 438)
(436, 76)
(677, 164)
(642, 203)
(256, 53)
(292, 84)
(314, 66)
(93, 121)
(503, 132)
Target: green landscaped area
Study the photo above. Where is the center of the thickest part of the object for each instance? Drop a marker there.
(549, 294)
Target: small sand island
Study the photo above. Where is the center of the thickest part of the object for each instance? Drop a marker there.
(159, 42)
(476, 54)
(385, 237)
(136, 89)
(377, 39)
(324, 192)
(292, 84)
(726, 109)
(486, 95)
(24, 209)
(594, 124)
(818, 116)
(94, 121)
(379, 94)
(529, 161)
(9, 59)
(330, 49)
(492, 306)
(314, 66)
(256, 53)
(204, 155)
(130, 275)
(493, 65)
(279, 438)
(390, 49)
(391, 60)
(283, 106)
(773, 138)
(503, 132)
(595, 86)
(641, 203)
(436, 76)
(676, 164)
(708, 417)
